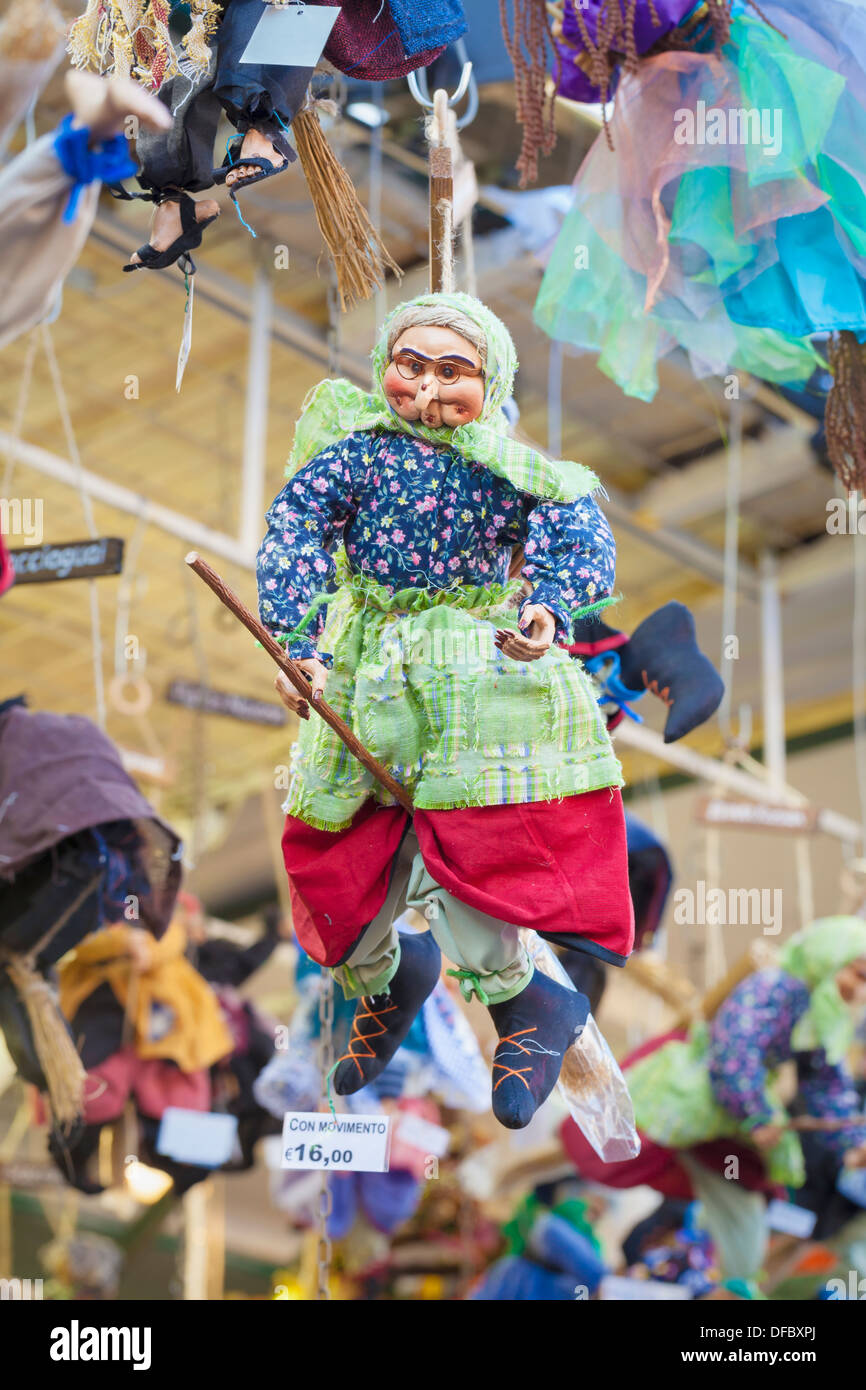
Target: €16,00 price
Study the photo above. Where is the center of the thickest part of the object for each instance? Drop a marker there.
(358, 1143)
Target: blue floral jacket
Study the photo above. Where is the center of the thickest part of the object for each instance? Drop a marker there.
(410, 514)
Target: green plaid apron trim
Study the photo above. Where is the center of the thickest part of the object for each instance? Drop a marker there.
(455, 721)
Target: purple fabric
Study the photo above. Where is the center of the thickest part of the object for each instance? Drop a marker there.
(573, 82)
(59, 774)
(751, 1035)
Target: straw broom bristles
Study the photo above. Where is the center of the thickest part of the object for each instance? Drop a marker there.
(55, 1049)
(360, 256)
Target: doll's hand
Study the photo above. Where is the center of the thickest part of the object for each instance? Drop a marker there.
(140, 943)
(766, 1136)
(291, 698)
(538, 628)
(856, 1158)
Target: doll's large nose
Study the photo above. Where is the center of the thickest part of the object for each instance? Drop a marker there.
(427, 391)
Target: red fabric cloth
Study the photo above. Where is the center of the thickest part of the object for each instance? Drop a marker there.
(658, 1167)
(339, 878)
(560, 867)
(156, 1084)
(365, 43)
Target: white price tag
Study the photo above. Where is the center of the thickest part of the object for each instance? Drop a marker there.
(791, 1220)
(291, 36)
(422, 1135)
(196, 1136)
(351, 1143)
(620, 1288)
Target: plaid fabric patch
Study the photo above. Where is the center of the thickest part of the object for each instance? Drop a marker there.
(454, 720)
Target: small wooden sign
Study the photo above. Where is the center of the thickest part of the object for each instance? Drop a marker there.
(719, 811)
(44, 564)
(203, 697)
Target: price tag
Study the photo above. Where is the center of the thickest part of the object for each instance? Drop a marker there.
(791, 1220)
(619, 1288)
(195, 1136)
(291, 36)
(351, 1143)
(851, 1183)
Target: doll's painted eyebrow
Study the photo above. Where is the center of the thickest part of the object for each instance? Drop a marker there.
(422, 356)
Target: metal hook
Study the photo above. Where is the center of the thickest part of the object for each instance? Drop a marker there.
(420, 89)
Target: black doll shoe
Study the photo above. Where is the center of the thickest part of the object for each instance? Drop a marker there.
(536, 1029)
(382, 1021)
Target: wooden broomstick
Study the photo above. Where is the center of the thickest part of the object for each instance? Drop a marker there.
(298, 678)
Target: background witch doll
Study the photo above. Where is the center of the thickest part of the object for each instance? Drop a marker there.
(491, 727)
(704, 1099)
(192, 54)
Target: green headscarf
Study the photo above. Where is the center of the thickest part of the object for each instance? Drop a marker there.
(336, 408)
(815, 956)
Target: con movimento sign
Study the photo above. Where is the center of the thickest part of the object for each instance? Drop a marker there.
(347, 1143)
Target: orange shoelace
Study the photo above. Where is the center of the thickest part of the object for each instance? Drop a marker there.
(357, 1036)
(510, 1071)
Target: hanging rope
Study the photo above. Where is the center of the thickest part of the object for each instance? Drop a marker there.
(527, 41)
(199, 738)
(731, 559)
(20, 408)
(326, 1061)
(87, 508)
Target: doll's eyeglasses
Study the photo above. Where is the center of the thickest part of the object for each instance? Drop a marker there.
(447, 370)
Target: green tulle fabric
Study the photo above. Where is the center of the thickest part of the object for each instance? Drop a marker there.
(336, 408)
(673, 244)
(815, 956)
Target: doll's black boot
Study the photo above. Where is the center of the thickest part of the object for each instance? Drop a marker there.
(536, 1029)
(663, 656)
(382, 1021)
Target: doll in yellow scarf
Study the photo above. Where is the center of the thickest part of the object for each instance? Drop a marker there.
(149, 1023)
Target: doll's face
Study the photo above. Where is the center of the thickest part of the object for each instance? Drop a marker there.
(851, 981)
(429, 384)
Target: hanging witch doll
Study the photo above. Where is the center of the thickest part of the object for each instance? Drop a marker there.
(385, 574)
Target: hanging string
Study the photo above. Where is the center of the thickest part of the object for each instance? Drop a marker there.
(199, 740)
(20, 408)
(87, 508)
(326, 1063)
(731, 560)
(527, 44)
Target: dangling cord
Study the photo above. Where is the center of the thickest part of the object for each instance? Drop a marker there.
(326, 1053)
(86, 507)
(233, 196)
